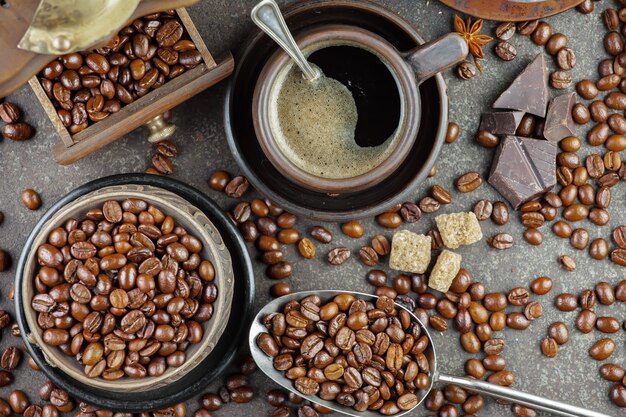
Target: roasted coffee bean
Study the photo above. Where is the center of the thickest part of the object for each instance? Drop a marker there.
(611, 372)
(586, 321)
(162, 164)
(618, 395)
(410, 212)
(602, 349)
(353, 229)
(31, 199)
(580, 114)
(608, 324)
(9, 112)
(452, 133)
(338, 255)
(532, 219)
(587, 89)
(469, 182)
(613, 43)
(501, 241)
(429, 205)
(500, 213)
(566, 59)
(505, 31)
(549, 347)
(10, 358)
(483, 210)
(390, 220)
(566, 302)
(381, 245)
(368, 256)
(527, 28)
(559, 332)
(466, 70)
(505, 51)
(18, 401)
(567, 262)
(542, 33)
(306, 248)
(533, 236)
(605, 293)
(236, 187)
(557, 42)
(321, 234)
(487, 139)
(579, 238)
(599, 249)
(219, 180)
(279, 270)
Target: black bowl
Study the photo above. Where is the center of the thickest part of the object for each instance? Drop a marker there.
(244, 145)
(226, 348)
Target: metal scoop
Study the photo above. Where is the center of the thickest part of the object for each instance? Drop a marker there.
(265, 363)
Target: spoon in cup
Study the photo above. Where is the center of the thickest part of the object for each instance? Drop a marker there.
(265, 363)
(267, 16)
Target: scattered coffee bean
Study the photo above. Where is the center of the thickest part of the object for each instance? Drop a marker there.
(542, 33)
(338, 255)
(483, 210)
(469, 182)
(500, 213)
(219, 180)
(501, 241)
(452, 133)
(602, 349)
(487, 139)
(505, 51)
(549, 347)
(30, 199)
(560, 80)
(466, 70)
(236, 187)
(505, 31)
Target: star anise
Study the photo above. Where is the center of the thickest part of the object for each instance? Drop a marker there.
(471, 33)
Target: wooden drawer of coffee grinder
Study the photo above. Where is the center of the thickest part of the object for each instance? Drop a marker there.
(147, 110)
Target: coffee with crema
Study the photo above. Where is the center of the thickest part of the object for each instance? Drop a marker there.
(314, 125)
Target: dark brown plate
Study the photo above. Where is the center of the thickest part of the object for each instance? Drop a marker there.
(511, 11)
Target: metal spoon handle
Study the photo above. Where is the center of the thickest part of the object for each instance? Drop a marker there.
(518, 397)
(267, 16)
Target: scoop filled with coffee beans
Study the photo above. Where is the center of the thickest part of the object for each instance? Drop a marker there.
(361, 355)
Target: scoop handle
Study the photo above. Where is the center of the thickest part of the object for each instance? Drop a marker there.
(518, 397)
(435, 56)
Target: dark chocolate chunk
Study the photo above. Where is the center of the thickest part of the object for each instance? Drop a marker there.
(529, 91)
(501, 123)
(559, 122)
(523, 169)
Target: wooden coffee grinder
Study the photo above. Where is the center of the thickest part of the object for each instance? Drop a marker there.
(33, 33)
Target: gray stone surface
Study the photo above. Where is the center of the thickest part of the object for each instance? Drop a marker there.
(571, 377)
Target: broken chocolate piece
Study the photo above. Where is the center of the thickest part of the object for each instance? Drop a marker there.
(529, 91)
(559, 122)
(501, 123)
(523, 169)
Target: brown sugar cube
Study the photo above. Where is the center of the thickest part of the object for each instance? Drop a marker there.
(445, 269)
(410, 252)
(459, 229)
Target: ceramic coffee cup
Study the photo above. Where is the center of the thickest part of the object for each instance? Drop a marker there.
(408, 70)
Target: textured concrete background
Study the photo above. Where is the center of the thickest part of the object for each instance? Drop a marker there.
(571, 377)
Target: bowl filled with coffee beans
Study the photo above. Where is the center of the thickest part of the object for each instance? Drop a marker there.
(124, 291)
